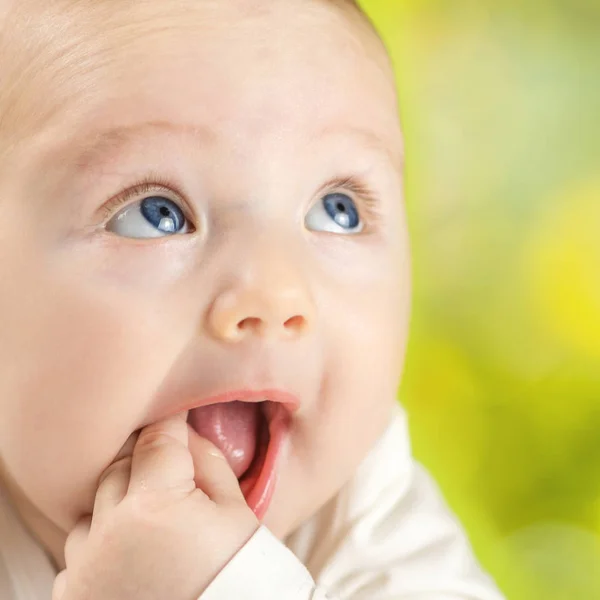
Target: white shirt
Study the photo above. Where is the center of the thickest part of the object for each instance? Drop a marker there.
(387, 535)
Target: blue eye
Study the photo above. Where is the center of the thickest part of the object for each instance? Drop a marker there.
(335, 213)
(152, 217)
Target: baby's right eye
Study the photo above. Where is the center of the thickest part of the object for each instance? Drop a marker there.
(152, 217)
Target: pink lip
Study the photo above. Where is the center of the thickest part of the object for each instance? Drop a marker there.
(288, 400)
(259, 491)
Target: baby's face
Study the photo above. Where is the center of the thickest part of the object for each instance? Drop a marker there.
(198, 198)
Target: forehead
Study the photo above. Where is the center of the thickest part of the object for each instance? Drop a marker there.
(244, 67)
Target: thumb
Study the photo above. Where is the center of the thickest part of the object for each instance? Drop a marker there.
(213, 474)
(161, 460)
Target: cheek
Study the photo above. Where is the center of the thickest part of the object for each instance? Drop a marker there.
(363, 375)
(77, 368)
(366, 342)
(365, 335)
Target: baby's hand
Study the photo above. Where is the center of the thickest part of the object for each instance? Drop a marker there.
(166, 520)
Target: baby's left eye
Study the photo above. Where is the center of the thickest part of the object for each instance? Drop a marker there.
(334, 213)
(151, 217)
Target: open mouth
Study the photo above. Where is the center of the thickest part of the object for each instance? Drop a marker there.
(250, 434)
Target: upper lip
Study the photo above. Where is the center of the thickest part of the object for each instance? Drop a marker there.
(288, 400)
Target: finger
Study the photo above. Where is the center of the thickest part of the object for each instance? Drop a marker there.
(161, 459)
(76, 540)
(60, 586)
(112, 487)
(128, 446)
(212, 473)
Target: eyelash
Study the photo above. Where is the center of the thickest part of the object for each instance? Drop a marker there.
(363, 195)
(158, 183)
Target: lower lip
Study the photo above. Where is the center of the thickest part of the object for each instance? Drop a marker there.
(258, 489)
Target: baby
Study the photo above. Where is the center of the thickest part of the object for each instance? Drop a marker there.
(204, 294)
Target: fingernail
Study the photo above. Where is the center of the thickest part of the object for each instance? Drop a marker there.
(216, 453)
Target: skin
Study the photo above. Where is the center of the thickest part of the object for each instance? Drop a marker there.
(247, 110)
(149, 509)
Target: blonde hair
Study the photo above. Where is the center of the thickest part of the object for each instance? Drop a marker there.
(42, 60)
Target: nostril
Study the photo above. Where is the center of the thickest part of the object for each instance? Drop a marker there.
(254, 325)
(249, 323)
(295, 324)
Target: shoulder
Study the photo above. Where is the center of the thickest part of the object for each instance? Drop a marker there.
(25, 571)
(6, 590)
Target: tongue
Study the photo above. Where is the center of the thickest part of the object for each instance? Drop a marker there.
(233, 428)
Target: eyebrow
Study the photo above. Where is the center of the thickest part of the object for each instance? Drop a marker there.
(107, 141)
(367, 139)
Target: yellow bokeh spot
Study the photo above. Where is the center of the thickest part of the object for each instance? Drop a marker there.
(558, 561)
(563, 269)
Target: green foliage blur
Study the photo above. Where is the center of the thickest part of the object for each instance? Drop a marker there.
(500, 101)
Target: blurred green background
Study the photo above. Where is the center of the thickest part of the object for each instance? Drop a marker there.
(501, 107)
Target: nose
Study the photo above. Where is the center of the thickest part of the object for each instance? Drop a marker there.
(273, 304)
